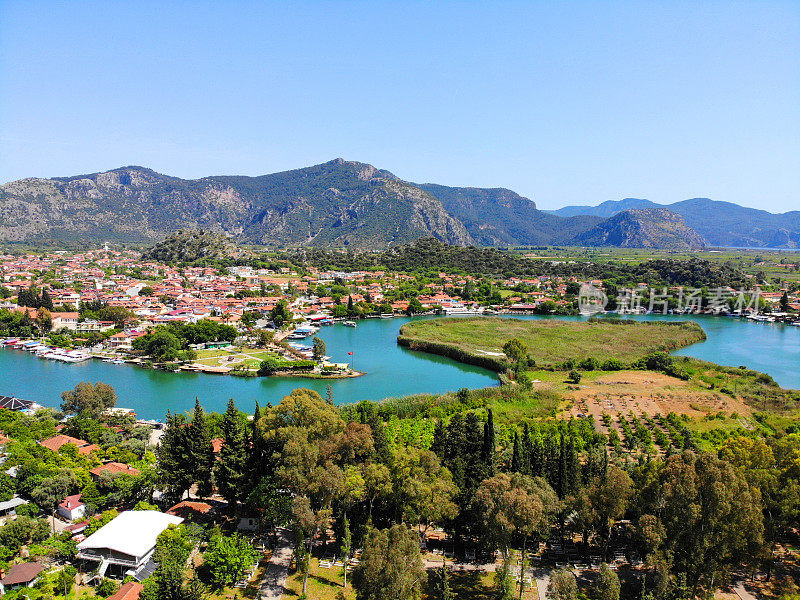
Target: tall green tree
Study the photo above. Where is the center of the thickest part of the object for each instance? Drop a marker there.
(391, 566)
(175, 464)
(609, 497)
(562, 586)
(319, 348)
(712, 518)
(89, 399)
(515, 505)
(607, 587)
(231, 468)
(228, 558)
(489, 444)
(202, 451)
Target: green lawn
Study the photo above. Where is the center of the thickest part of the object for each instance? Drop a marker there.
(551, 341)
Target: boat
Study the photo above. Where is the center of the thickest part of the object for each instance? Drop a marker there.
(117, 361)
(350, 324)
(386, 316)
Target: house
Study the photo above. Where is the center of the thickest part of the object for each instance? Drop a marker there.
(65, 320)
(71, 508)
(128, 591)
(19, 576)
(9, 507)
(54, 443)
(113, 468)
(124, 546)
(191, 510)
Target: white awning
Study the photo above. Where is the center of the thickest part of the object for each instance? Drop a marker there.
(133, 532)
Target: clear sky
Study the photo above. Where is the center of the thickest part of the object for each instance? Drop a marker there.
(564, 102)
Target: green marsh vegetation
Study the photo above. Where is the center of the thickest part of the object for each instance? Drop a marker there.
(550, 343)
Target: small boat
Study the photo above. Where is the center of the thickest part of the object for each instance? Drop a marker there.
(350, 324)
(386, 316)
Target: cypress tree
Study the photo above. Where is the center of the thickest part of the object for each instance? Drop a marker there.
(438, 442)
(489, 444)
(561, 473)
(527, 450)
(473, 451)
(382, 451)
(231, 469)
(572, 468)
(175, 464)
(537, 458)
(46, 301)
(550, 464)
(516, 458)
(201, 450)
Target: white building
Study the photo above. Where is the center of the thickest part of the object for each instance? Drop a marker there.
(71, 508)
(125, 545)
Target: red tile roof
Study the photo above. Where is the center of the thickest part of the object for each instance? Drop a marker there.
(182, 509)
(71, 502)
(24, 573)
(128, 591)
(54, 443)
(114, 467)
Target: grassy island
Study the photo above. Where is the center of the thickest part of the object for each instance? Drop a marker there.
(550, 343)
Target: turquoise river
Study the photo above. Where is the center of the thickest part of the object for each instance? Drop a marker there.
(390, 370)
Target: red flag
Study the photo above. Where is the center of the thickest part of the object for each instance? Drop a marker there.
(350, 353)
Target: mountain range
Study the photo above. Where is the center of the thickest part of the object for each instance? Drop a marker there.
(349, 204)
(720, 223)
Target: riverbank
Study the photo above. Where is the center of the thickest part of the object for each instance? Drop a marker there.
(391, 370)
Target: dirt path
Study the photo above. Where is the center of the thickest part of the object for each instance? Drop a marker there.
(277, 569)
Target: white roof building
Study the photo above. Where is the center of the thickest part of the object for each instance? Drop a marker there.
(127, 541)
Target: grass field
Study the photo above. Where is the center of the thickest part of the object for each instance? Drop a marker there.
(233, 357)
(550, 342)
(323, 584)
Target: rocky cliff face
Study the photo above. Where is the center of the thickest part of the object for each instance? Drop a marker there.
(643, 228)
(339, 203)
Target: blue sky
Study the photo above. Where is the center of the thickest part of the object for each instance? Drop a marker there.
(564, 102)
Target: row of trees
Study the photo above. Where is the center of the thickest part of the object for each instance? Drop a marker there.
(171, 342)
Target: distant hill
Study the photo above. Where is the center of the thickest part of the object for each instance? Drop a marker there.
(500, 217)
(720, 223)
(336, 204)
(607, 209)
(643, 228)
(189, 246)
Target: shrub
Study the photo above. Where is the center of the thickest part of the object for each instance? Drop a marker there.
(574, 376)
(612, 364)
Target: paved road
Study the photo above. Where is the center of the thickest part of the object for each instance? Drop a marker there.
(742, 592)
(277, 568)
(542, 581)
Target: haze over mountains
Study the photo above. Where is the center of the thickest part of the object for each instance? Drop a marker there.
(350, 204)
(720, 223)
